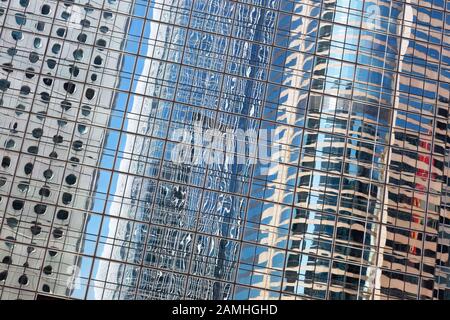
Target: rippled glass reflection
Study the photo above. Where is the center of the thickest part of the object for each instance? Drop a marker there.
(93, 207)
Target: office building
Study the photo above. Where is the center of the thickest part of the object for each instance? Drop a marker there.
(351, 201)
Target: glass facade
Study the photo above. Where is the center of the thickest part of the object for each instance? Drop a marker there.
(354, 204)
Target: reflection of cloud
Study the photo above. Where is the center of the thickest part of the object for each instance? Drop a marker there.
(123, 189)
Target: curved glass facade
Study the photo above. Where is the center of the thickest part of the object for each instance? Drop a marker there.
(351, 202)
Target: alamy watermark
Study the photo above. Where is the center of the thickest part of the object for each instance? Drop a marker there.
(73, 281)
(227, 147)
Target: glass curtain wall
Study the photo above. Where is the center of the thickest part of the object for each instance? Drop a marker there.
(354, 203)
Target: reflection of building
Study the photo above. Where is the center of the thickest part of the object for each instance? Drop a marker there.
(416, 180)
(58, 75)
(355, 206)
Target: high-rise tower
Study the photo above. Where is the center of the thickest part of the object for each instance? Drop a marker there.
(60, 63)
(352, 96)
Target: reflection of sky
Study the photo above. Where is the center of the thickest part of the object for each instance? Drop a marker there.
(109, 155)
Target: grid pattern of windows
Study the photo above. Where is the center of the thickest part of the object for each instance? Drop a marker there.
(93, 93)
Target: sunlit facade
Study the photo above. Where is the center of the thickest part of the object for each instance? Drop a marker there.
(354, 204)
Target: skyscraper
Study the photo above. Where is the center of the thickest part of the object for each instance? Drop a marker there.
(351, 97)
(60, 66)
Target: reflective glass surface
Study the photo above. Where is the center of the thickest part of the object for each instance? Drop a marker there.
(93, 95)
